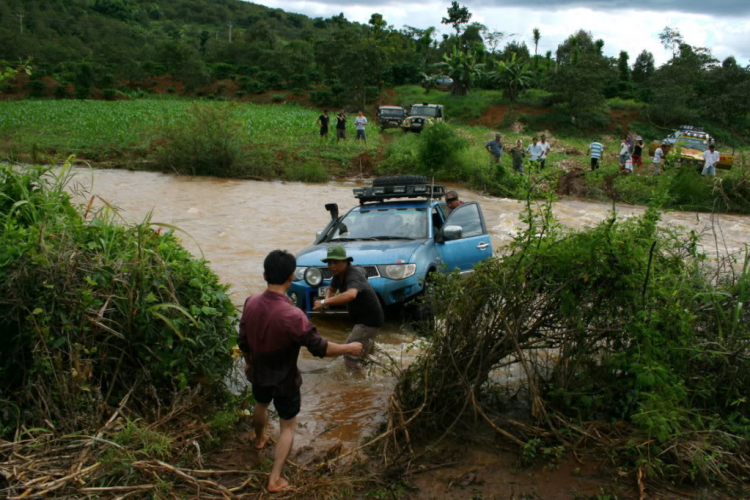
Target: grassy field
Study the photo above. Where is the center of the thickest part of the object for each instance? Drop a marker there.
(124, 131)
(281, 141)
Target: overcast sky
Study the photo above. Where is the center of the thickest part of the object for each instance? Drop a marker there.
(632, 25)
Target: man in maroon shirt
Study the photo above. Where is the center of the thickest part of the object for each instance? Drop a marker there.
(272, 331)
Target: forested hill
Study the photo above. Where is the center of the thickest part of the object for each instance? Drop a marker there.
(199, 40)
(119, 45)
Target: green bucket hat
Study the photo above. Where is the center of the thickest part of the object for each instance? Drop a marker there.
(336, 253)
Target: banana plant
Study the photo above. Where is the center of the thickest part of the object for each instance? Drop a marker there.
(514, 75)
(463, 68)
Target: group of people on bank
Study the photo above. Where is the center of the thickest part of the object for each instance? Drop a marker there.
(272, 331)
(537, 152)
(630, 154)
(360, 122)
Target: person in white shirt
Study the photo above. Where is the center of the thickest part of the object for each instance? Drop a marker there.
(712, 159)
(546, 148)
(658, 158)
(624, 152)
(359, 122)
(535, 151)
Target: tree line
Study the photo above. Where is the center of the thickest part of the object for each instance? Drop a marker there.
(109, 43)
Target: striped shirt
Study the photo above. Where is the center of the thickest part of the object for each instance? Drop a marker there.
(596, 149)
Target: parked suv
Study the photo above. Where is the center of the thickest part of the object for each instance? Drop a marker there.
(390, 116)
(422, 115)
(692, 141)
(400, 233)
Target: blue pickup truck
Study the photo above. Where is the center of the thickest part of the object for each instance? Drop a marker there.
(400, 233)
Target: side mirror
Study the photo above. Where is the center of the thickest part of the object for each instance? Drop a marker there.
(452, 233)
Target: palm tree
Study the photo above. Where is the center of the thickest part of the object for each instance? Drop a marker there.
(537, 36)
(463, 67)
(514, 75)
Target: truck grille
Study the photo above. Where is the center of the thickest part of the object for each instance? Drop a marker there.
(370, 271)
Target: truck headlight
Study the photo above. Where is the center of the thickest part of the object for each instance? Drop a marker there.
(313, 276)
(397, 271)
(299, 274)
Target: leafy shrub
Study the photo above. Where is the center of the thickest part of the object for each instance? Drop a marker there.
(171, 90)
(37, 88)
(93, 310)
(61, 92)
(7, 88)
(272, 79)
(240, 94)
(437, 149)
(109, 94)
(300, 81)
(642, 330)
(206, 143)
(625, 104)
(536, 97)
(254, 87)
(277, 98)
(82, 92)
(371, 94)
(322, 98)
(223, 71)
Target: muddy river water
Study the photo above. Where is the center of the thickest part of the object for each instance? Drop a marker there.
(235, 223)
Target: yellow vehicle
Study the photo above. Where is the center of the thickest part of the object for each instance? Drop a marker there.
(692, 142)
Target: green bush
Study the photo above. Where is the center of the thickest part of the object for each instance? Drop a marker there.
(620, 322)
(625, 104)
(61, 92)
(206, 143)
(438, 146)
(82, 92)
(37, 88)
(254, 87)
(536, 97)
(278, 98)
(109, 94)
(322, 98)
(93, 310)
(300, 81)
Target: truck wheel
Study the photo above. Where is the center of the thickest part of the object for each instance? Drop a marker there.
(423, 312)
(399, 180)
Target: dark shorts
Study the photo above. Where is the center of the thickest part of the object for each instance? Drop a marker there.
(286, 406)
(323, 131)
(594, 163)
(542, 162)
(341, 133)
(361, 134)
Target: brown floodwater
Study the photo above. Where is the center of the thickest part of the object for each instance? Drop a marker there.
(235, 223)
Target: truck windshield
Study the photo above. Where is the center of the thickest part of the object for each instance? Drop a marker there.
(382, 224)
(691, 143)
(392, 112)
(424, 111)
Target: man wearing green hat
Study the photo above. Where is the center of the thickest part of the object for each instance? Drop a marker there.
(350, 286)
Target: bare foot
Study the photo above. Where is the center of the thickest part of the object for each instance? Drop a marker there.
(278, 485)
(260, 444)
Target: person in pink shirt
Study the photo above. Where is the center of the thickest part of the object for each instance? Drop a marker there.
(272, 331)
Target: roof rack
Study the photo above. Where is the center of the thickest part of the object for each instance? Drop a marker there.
(381, 193)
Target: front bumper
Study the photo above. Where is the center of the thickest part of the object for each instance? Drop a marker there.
(389, 291)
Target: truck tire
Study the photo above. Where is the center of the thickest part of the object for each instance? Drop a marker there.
(399, 180)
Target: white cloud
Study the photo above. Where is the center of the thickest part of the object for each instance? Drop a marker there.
(632, 30)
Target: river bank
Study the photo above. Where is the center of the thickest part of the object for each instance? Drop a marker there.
(269, 142)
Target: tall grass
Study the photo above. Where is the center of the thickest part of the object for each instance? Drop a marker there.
(93, 310)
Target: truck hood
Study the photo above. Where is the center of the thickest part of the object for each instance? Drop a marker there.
(364, 252)
(695, 154)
